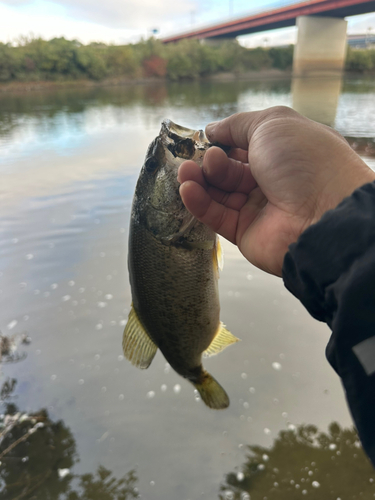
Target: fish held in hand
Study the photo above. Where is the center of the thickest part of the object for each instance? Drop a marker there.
(174, 263)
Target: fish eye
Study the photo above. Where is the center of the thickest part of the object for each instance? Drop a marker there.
(155, 155)
(151, 164)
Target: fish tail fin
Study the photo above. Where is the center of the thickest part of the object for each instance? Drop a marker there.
(211, 392)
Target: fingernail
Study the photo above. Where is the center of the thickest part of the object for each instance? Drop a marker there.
(210, 128)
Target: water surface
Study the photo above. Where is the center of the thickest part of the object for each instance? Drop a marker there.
(69, 161)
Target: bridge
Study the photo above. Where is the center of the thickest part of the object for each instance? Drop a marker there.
(321, 41)
(277, 18)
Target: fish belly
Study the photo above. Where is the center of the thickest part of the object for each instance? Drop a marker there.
(175, 295)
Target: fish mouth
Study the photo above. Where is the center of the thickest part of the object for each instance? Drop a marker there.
(177, 132)
(183, 142)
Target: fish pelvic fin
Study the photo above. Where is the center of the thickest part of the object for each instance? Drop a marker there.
(211, 392)
(222, 339)
(138, 348)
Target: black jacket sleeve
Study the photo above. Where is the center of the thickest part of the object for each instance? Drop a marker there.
(331, 270)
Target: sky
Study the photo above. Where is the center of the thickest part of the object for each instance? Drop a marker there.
(127, 21)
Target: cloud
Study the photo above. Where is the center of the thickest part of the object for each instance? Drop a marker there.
(361, 24)
(124, 21)
(15, 3)
(121, 14)
(283, 36)
(49, 24)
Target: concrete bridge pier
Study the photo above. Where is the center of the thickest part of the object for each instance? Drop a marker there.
(321, 46)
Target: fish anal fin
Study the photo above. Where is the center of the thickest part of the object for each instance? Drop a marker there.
(222, 339)
(211, 392)
(138, 348)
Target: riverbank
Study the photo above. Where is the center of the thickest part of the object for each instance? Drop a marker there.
(82, 83)
(258, 75)
(266, 74)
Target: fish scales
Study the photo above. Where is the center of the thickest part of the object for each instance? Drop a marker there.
(182, 284)
(173, 265)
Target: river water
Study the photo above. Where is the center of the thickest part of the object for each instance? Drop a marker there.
(69, 161)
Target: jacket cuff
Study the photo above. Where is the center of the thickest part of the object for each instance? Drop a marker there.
(328, 249)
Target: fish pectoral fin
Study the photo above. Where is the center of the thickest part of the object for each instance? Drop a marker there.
(138, 348)
(211, 392)
(218, 256)
(186, 227)
(222, 339)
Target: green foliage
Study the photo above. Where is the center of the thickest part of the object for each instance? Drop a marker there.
(91, 63)
(282, 57)
(360, 59)
(61, 59)
(121, 60)
(7, 62)
(255, 59)
(183, 60)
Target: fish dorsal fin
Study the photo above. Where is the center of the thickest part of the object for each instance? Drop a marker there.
(222, 339)
(218, 256)
(138, 348)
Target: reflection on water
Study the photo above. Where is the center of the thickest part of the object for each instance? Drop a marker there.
(317, 98)
(304, 461)
(37, 455)
(8, 348)
(69, 161)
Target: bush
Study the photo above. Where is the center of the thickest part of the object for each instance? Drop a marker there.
(256, 59)
(282, 57)
(59, 59)
(121, 60)
(90, 62)
(360, 59)
(8, 63)
(154, 66)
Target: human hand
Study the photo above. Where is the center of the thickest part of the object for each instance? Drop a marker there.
(282, 173)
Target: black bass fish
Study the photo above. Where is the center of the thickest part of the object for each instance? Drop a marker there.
(173, 265)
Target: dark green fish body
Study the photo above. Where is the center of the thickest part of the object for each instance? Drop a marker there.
(182, 284)
(173, 266)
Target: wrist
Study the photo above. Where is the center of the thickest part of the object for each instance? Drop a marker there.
(328, 249)
(335, 192)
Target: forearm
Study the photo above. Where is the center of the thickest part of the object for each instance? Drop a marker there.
(331, 269)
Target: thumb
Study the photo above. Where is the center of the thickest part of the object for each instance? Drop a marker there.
(234, 131)
(237, 130)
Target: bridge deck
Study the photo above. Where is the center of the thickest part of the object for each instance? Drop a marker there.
(278, 18)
